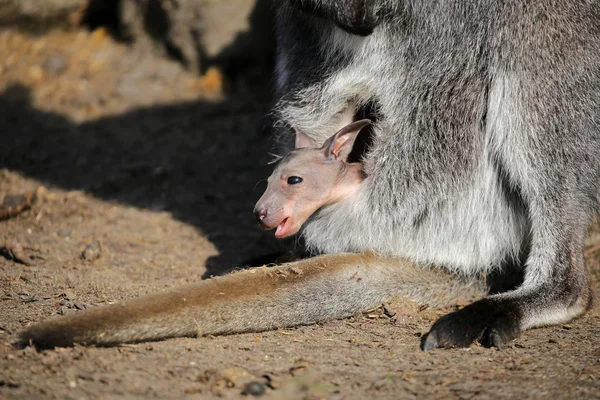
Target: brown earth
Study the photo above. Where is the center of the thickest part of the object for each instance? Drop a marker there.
(145, 176)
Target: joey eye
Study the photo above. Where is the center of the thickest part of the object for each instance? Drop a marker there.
(293, 180)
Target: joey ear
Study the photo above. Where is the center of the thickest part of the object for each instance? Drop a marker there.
(302, 140)
(339, 146)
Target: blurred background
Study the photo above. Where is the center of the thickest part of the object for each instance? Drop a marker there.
(155, 104)
(112, 55)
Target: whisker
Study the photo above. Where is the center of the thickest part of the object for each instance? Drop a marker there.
(276, 157)
(256, 184)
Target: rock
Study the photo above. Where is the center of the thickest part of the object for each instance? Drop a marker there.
(235, 35)
(225, 33)
(36, 9)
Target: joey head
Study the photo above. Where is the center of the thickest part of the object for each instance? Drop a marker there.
(308, 178)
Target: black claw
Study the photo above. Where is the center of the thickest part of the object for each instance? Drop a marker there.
(497, 341)
(491, 338)
(429, 342)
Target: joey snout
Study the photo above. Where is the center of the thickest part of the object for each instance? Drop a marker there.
(260, 214)
(271, 216)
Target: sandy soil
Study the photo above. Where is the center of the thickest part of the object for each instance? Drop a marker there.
(145, 178)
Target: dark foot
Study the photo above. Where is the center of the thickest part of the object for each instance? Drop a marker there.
(490, 322)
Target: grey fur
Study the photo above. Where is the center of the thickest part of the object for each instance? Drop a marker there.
(486, 148)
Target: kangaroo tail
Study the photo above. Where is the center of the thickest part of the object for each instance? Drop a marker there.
(299, 293)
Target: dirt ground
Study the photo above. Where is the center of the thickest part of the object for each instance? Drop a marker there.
(145, 177)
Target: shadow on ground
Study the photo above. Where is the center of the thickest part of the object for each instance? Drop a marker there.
(201, 161)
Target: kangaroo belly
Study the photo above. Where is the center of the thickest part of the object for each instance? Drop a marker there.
(471, 231)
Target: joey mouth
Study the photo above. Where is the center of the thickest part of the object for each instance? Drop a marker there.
(283, 228)
(284, 225)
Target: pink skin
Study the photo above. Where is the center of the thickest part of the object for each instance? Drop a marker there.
(309, 178)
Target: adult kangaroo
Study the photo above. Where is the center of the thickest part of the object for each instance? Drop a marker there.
(486, 148)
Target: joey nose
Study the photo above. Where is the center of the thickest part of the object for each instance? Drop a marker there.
(260, 214)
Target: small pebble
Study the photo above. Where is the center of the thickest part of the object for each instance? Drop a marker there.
(254, 388)
(91, 252)
(55, 64)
